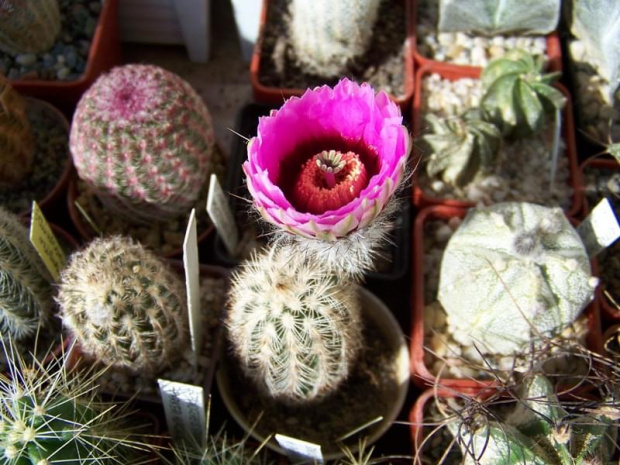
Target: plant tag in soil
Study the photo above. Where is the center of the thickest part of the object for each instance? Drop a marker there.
(192, 285)
(300, 451)
(43, 239)
(221, 215)
(600, 229)
(184, 408)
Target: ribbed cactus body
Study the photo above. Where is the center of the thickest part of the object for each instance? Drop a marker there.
(25, 285)
(511, 274)
(16, 140)
(294, 327)
(462, 147)
(142, 139)
(327, 35)
(123, 305)
(28, 26)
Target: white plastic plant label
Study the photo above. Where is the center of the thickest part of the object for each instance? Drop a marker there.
(600, 229)
(45, 242)
(192, 285)
(221, 215)
(184, 407)
(300, 452)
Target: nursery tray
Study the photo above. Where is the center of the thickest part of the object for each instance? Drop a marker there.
(246, 127)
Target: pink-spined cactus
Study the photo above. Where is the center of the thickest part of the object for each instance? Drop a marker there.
(142, 139)
(323, 169)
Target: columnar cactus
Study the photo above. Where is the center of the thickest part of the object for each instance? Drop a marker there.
(28, 26)
(462, 147)
(123, 305)
(511, 274)
(16, 141)
(142, 139)
(25, 284)
(517, 94)
(540, 432)
(293, 325)
(327, 36)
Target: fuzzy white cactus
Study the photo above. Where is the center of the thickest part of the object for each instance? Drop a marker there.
(511, 274)
(327, 35)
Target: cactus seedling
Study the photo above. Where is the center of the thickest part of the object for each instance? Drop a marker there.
(142, 139)
(28, 26)
(293, 325)
(461, 148)
(123, 305)
(517, 93)
(513, 273)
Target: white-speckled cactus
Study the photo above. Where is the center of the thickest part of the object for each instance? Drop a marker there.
(511, 274)
(28, 26)
(328, 35)
(142, 139)
(295, 327)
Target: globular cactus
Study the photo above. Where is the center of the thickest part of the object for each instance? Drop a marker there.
(293, 325)
(17, 145)
(511, 274)
(142, 139)
(328, 36)
(539, 431)
(123, 305)
(28, 26)
(490, 17)
(26, 293)
(517, 94)
(461, 148)
(51, 417)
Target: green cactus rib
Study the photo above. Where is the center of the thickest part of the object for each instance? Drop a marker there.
(28, 26)
(124, 306)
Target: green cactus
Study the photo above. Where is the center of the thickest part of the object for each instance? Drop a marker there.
(28, 26)
(517, 95)
(49, 416)
(17, 145)
(327, 36)
(124, 306)
(461, 148)
(511, 274)
(142, 139)
(293, 325)
(540, 432)
(26, 293)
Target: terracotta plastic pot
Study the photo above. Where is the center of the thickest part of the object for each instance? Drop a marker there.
(105, 52)
(421, 374)
(553, 52)
(421, 199)
(276, 95)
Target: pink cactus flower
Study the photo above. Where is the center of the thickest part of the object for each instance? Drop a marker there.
(325, 164)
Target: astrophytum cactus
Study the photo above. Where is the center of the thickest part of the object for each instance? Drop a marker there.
(28, 26)
(323, 169)
(461, 148)
(16, 140)
(328, 36)
(142, 139)
(124, 306)
(294, 326)
(511, 274)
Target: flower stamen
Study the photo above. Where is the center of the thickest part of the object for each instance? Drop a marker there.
(330, 162)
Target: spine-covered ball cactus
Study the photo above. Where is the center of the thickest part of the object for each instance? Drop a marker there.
(16, 140)
(511, 274)
(294, 326)
(28, 26)
(517, 94)
(26, 293)
(124, 306)
(142, 139)
(327, 36)
(461, 148)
